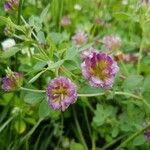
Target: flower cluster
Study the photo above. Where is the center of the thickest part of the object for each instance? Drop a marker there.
(65, 21)
(99, 69)
(10, 5)
(12, 81)
(80, 38)
(61, 93)
(112, 42)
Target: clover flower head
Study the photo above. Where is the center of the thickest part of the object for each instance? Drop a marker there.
(112, 42)
(99, 69)
(80, 38)
(61, 93)
(12, 81)
(10, 5)
(65, 21)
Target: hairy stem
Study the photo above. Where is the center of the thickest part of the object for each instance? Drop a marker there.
(91, 94)
(94, 94)
(32, 90)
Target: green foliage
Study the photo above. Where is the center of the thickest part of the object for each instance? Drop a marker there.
(115, 118)
(10, 52)
(133, 82)
(20, 126)
(76, 146)
(33, 98)
(146, 87)
(103, 114)
(139, 140)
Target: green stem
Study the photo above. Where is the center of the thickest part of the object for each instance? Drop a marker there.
(18, 22)
(87, 122)
(124, 67)
(93, 31)
(20, 11)
(57, 72)
(91, 95)
(24, 21)
(32, 90)
(69, 72)
(32, 130)
(132, 137)
(146, 103)
(127, 94)
(88, 104)
(79, 130)
(88, 95)
(134, 96)
(93, 142)
(112, 143)
(142, 22)
(60, 14)
(116, 93)
(5, 124)
(43, 52)
(18, 37)
(139, 59)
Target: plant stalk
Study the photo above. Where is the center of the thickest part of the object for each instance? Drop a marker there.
(79, 130)
(132, 137)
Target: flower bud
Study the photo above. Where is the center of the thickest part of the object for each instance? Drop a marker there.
(10, 5)
(147, 131)
(112, 42)
(65, 21)
(12, 81)
(8, 31)
(80, 38)
(147, 134)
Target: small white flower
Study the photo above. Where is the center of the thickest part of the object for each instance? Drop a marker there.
(77, 7)
(124, 2)
(8, 43)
